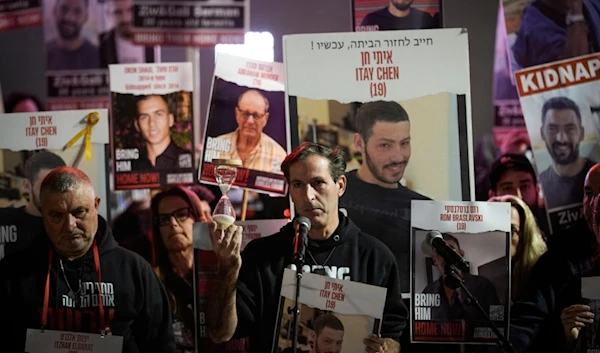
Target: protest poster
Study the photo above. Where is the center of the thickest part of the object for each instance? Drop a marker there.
(83, 37)
(541, 32)
(61, 135)
(74, 77)
(335, 314)
(510, 133)
(560, 104)
(191, 23)
(480, 233)
(206, 267)
(330, 76)
(389, 15)
(247, 121)
(16, 14)
(151, 125)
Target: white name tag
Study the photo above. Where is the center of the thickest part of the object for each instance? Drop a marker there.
(70, 342)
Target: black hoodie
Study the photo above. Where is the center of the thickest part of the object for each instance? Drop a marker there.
(134, 299)
(353, 255)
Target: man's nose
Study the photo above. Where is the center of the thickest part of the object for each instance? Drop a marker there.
(518, 193)
(70, 223)
(561, 136)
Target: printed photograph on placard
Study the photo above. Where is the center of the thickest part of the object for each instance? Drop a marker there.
(206, 275)
(151, 125)
(540, 32)
(116, 40)
(190, 23)
(561, 106)
(388, 15)
(335, 315)
(247, 122)
(16, 14)
(402, 121)
(32, 145)
(479, 233)
(74, 77)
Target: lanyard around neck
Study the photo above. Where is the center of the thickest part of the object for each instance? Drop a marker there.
(105, 328)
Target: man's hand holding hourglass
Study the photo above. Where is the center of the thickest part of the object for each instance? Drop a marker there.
(226, 243)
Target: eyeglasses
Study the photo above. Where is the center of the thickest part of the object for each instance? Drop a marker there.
(246, 114)
(164, 219)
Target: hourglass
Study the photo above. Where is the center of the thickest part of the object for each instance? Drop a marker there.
(225, 173)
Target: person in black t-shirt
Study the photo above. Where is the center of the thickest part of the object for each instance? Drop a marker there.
(375, 199)
(562, 131)
(154, 121)
(245, 301)
(21, 225)
(399, 14)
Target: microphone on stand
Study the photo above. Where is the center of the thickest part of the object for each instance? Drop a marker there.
(302, 226)
(450, 256)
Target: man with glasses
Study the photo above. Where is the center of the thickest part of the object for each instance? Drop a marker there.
(248, 143)
(153, 122)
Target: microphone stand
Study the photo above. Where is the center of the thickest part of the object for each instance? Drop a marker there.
(299, 262)
(454, 280)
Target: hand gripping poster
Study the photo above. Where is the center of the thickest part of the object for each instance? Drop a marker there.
(191, 23)
(389, 15)
(32, 145)
(590, 295)
(206, 273)
(247, 121)
(401, 117)
(16, 14)
(561, 106)
(336, 315)
(476, 235)
(151, 125)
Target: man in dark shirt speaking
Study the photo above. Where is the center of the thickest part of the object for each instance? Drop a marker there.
(399, 14)
(154, 121)
(70, 50)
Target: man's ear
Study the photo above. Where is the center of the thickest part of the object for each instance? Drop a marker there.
(97, 202)
(342, 182)
(136, 125)
(491, 194)
(359, 143)
(461, 252)
(27, 186)
(171, 120)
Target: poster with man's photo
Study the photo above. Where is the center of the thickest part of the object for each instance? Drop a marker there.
(541, 32)
(460, 249)
(401, 117)
(561, 106)
(151, 125)
(389, 15)
(336, 315)
(81, 38)
(206, 275)
(247, 122)
(32, 145)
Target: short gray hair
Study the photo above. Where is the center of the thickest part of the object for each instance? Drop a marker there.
(64, 179)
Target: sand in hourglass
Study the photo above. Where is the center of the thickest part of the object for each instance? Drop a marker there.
(223, 220)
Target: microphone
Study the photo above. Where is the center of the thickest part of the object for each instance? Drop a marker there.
(450, 256)
(302, 225)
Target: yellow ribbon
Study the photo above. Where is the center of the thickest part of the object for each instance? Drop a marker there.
(91, 119)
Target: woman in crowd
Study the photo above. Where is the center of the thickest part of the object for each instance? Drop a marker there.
(174, 212)
(527, 244)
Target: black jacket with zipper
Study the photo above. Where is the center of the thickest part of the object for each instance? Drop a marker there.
(134, 300)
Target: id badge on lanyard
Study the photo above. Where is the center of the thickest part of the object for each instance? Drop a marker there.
(52, 341)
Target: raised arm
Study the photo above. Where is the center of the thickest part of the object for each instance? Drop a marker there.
(221, 313)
